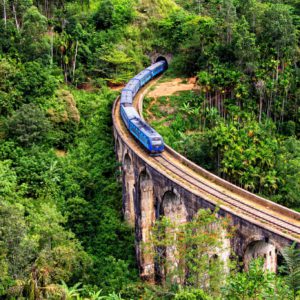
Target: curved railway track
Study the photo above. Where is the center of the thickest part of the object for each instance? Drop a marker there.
(235, 200)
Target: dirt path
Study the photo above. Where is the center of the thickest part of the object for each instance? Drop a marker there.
(167, 89)
(60, 153)
(148, 110)
(171, 87)
(117, 88)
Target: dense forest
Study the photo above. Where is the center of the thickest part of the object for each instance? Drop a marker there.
(244, 118)
(62, 235)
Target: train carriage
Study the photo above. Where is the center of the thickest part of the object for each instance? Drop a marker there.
(145, 134)
(157, 68)
(132, 86)
(144, 77)
(126, 98)
(128, 113)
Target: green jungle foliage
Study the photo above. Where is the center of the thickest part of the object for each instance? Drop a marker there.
(243, 122)
(254, 155)
(61, 230)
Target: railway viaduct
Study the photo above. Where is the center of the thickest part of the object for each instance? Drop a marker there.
(173, 186)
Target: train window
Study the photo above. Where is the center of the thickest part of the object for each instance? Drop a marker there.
(156, 141)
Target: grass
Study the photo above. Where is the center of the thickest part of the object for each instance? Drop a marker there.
(161, 117)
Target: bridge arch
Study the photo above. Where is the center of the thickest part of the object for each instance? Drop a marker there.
(128, 189)
(172, 206)
(127, 162)
(258, 246)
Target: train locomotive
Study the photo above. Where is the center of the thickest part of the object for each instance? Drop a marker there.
(145, 134)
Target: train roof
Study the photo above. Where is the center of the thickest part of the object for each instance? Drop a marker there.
(126, 96)
(142, 74)
(145, 128)
(126, 93)
(154, 66)
(131, 84)
(131, 112)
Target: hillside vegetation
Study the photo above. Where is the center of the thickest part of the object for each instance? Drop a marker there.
(242, 122)
(61, 230)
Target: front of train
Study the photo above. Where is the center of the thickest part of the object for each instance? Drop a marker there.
(157, 145)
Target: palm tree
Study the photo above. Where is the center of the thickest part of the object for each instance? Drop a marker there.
(113, 296)
(96, 295)
(69, 293)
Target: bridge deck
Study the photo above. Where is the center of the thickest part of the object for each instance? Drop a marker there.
(257, 210)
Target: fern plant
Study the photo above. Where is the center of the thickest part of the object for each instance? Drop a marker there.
(291, 268)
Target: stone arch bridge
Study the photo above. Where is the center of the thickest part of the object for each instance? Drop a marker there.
(172, 185)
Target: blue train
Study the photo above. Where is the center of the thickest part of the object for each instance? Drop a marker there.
(146, 135)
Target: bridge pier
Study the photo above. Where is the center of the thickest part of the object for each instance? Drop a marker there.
(118, 152)
(224, 251)
(128, 190)
(146, 220)
(173, 208)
